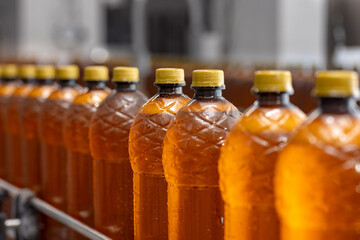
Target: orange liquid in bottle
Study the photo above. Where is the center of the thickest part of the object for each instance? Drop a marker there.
(317, 177)
(146, 144)
(190, 159)
(109, 137)
(53, 152)
(76, 138)
(249, 156)
(7, 88)
(13, 126)
(30, 113)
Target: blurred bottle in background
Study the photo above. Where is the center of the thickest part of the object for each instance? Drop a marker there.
(190, 158)
(53, 152)
(146, 147)
(109, 137)
(249, 156)
(27, 74)
(76, 138)
(8, 83)
(30, 112)
(318, 172)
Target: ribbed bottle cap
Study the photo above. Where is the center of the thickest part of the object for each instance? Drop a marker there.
(169, 76)
(96, 73)
(336, 84)
(207, 78)
(125, 74)
(67, 72)
(45, 72)
(27, 71)
(273, 81)
(9, 71)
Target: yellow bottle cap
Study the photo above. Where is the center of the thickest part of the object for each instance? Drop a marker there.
(27, 71)
(125, 74)
(336, 84)
(170, 76)
(273, 81)
(96, 73)
(9, 71)
(67, 72)
(45, 72)
(207, 78)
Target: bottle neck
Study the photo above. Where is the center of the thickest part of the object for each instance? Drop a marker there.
(27, 80)
(169, 89)
(125, 86)
(7, 80)
(45, 81)
(346, 105)
(95, 85)
(67, 83)
(208, 92)
(273, 99)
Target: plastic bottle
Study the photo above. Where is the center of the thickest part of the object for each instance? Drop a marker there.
(30, 112)
(8, 83)
(109, 137)
(318, 172)
(190, 159)
(53, 152)
(249, 156)
(76, 138)
(146, 146)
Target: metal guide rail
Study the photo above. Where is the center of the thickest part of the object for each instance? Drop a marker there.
(25, 209)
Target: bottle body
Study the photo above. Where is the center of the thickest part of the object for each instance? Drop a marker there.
(247, 168)
(146, 144)
(190, 158)
(30, 113)
(53, 156)
(6, 90)
(113, 186)
(79, 160)
(317, 179)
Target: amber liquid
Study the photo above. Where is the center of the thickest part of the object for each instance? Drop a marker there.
(317, 180)
(113, 178)
(53, 158)
(30, 113)
(190, 158)
(150, 188)
(6, 89)
(246, 170)
(79, 160)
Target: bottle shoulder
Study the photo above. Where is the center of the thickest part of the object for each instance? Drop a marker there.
(329, 129)
(258, 119)
(91, 97)
(164, 104)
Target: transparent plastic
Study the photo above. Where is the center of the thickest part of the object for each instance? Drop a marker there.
(79, 160)
(6, 90)
(190, 159)
(318, 175)
(30, 113)
(53, 154)
(146, 147)
(113, 178)
(247, 165)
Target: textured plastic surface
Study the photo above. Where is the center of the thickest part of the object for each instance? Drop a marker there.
(146, 145)
(317, 182)
(247, 171)
(13, 126)
(113, 178)
(53, 157)
(30, 113)
(79, 160)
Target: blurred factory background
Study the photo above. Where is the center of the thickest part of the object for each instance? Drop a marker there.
(238, 36)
